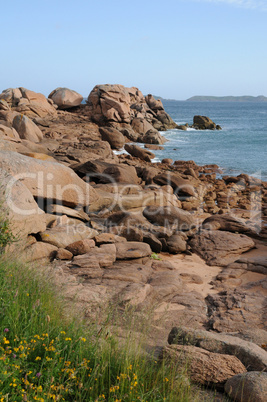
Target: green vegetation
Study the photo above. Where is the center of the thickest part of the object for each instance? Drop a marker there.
(46, 354)
(6, 236)
(155, 256)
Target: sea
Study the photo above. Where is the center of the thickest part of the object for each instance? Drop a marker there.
(240, 147)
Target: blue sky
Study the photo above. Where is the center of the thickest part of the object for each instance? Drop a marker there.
(172, 48)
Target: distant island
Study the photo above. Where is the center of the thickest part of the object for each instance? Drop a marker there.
(260, 98)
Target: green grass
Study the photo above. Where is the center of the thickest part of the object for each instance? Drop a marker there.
(47, 354)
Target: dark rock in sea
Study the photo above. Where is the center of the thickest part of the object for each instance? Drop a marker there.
(203, 123)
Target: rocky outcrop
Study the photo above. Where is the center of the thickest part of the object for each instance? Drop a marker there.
(220, 248)
(65, 98)
(28, 103)
(128, 106)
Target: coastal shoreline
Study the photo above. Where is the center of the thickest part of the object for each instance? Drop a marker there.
(170, 234)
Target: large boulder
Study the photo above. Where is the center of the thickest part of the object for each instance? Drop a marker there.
(19, 206)
(39, 251)
(180, 185)
(247, 387)
(152, 137)
(154, 104)
(220, 248)
(176, 243)
(132, 250)
(139, 152)
(227, 223)
(113, 136)
(65, 235)
(110, 103)
(65, 98)
(252, 356)
(170, 217)
(27, 129)
(204, 367)
(49, 180)
(11, 95)
(105, 172)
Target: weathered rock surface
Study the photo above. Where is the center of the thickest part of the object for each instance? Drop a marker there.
(220, 248)
(227, 223)
(114, 137)
(176, 243)
(253, 264)
(65, 98)
(118, 104)
(48, 180)
(81, 247)
(237, 306)
(180, 185)
(83, 151)
(139, 152)
(170, 217)
(108, 173)
(17, 201)
(131, 250)
(63, 254)
(65, 235)
(26, 129)
(9, 133)
(252, 356)
(204, 367)
(247, 387)
(39, 251)
(27, 102)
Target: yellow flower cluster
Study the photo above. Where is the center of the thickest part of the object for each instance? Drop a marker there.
(43, 354)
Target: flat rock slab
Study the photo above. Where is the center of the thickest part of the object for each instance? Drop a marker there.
(220, 248)
(204, 367)
(247, 387)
